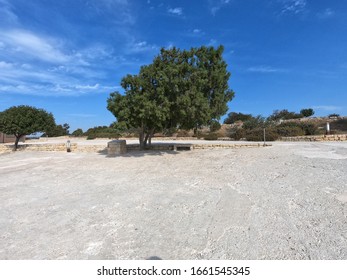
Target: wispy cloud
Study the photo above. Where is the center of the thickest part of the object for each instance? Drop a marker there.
(212, 42)
(216, 5)
(327, 13)
(293, 6)
(7, 15)
(264, 69)
(178, 11)
(33, 64)
(32, 46)
(140, 46)
(328, 108)
(120, 10)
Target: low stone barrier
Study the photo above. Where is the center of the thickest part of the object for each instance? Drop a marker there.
(75, 148)
(316, 138)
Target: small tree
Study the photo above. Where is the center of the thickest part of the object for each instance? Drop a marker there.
(23, 120)
(284, 114)
(307, 112)
(78, 132)
(66, 127)
(233, 117)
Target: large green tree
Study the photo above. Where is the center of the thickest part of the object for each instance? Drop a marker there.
(180, 89)
(24, 120)
(307, 112)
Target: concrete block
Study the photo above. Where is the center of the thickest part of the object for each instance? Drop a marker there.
(116, 147)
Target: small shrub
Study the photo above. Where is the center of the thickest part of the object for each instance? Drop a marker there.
(90, 137)
(309, 128)
(258, 134)
(237, 133)
(211, 136)
(290, 129)
(215, 126)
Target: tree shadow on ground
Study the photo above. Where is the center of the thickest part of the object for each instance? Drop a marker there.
(152, 258)
(139, 153)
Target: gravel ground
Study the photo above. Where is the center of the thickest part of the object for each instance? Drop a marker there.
(287, 201)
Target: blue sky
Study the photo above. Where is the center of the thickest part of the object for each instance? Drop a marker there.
(67, 56)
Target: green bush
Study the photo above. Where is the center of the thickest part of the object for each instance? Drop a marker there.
(309, 128)
(258, 134)
(237, 133)
(339, 125)
(290, 129)
(215, 126)
(211, 136)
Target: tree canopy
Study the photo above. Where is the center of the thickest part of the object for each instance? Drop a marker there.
(307, 112)
(24, 120)
(180, 89)
(284, 114)
(233, 117)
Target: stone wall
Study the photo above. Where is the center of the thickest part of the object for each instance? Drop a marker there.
(316, 138)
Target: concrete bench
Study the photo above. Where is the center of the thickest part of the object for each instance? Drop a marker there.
(183, 147)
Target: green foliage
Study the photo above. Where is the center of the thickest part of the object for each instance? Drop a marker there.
(234, 117)
(339, 125)
(257, 134)
(78, 132)
(212, 136)
(237, 133)
(254, 122)
(23, 120)
(215, 126)
(307, 112)
(180, 89)
(102, 132)
(58, 130)
(289, 129)
(332, 116)
(284, 115)
(309, 128)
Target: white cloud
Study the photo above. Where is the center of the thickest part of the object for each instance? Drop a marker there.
(328, 108)
(5, 65)
(196, 31)
(293, 6)
(141, 46)
(264, 69)
(216, 5)
(33, 46)
(88, 87)
(212, 42)
(175, 11)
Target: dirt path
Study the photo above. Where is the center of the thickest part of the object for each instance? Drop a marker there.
(288, 201)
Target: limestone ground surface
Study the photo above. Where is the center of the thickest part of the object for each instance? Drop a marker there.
(287, 201)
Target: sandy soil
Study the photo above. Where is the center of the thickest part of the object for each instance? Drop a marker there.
(288, 201)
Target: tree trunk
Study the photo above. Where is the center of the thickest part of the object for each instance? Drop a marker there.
(16, 142)
(151, 133)
(141, 139)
